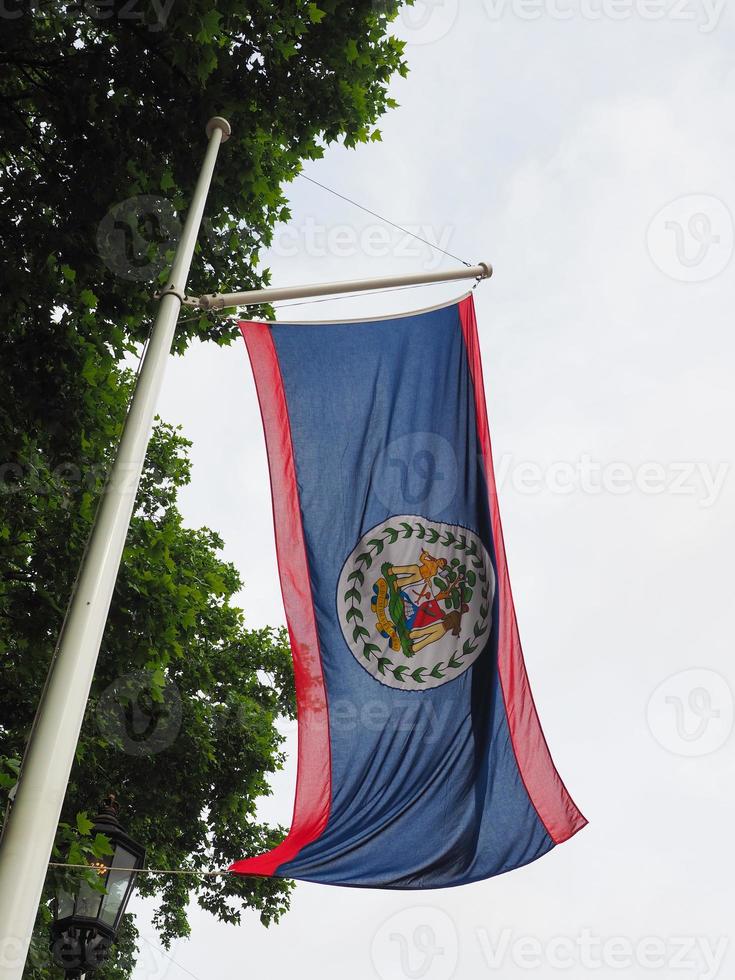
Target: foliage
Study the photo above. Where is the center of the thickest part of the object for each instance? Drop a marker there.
(102, 110)
(175, 645)
(99, 107)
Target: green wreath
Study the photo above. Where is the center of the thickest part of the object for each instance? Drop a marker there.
(353, 598)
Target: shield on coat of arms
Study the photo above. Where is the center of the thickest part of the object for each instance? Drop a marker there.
(415, 602)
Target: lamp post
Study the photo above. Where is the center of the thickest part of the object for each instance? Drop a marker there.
(86, 920)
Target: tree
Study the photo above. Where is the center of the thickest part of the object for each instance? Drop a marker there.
(102, 109)
(180, 722)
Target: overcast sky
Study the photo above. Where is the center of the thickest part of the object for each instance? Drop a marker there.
(586, 150)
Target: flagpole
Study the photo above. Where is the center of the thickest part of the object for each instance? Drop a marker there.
(254, 297)
(31, 825)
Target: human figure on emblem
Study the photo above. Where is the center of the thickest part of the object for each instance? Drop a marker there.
(425, 571)
(424, 635)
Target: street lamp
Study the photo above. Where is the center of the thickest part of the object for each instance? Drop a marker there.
(85, 920)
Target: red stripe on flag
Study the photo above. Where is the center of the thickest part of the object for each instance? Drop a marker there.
(313, 779)
(544, 786)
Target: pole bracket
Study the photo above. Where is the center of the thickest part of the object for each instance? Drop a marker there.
(171, 290)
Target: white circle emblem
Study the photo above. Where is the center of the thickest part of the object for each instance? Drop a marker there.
(415, 602)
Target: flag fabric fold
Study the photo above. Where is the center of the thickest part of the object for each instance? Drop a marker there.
(421, 759)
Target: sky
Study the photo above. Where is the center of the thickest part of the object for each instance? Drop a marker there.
(585, 148)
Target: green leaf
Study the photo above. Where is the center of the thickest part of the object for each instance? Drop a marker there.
(351, 51)
(210, 26)
(315, 14)
(101, 846)
(84, 824)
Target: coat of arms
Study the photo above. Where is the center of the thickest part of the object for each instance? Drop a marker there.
(415, 600)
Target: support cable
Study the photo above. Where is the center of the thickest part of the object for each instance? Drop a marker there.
(380, 217)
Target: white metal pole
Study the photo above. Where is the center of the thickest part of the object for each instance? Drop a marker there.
(31, 826)
(219, 301)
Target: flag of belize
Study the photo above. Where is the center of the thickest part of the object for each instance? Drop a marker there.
(421, 760)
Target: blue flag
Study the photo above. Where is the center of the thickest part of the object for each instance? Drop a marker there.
(421, 760)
